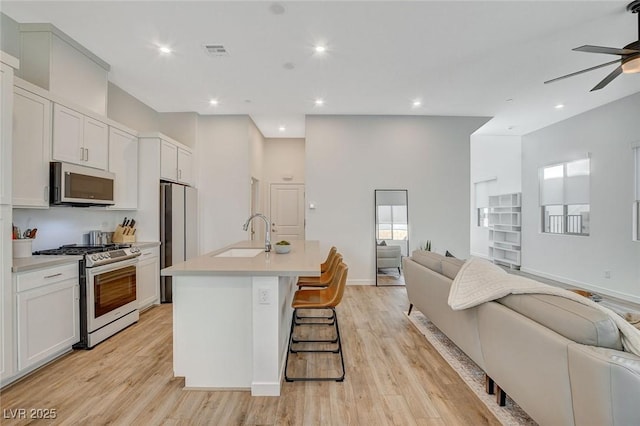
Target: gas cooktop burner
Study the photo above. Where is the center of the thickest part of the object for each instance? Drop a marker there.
(79, 250)
(95, 255)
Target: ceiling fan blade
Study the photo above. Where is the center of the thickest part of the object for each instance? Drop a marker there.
(607, 50)
(583, 71)
(608, 79)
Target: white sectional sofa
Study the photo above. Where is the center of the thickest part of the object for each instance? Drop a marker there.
(561, 361)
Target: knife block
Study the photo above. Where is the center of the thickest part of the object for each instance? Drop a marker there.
(122, 234)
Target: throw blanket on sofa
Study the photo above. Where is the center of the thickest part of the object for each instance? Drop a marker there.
(480, 281)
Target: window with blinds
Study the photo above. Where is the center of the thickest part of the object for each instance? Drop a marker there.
(482, 191)
(636, 203)
(564, 197)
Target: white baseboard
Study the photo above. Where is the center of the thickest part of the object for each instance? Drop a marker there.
(480, 255)
(586, 286)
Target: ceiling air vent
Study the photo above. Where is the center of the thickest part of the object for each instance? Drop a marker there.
(216, 50)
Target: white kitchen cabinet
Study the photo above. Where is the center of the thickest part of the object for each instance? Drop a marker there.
(47, 314)
(123, 162)
(7, 347)
(176, 163)
(168, 161)
(79, 139)
(31, 149)
(7, 65)
(185, 166)
(148, 277)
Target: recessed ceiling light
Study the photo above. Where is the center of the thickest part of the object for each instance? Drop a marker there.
(213, 102)
(559, 106)
(417, 103)
(320, 49)
(319, 102)
(282, 128)
(165, 49)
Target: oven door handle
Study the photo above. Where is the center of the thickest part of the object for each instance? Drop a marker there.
(112, 266)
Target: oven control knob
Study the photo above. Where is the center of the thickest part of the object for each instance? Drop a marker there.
(106, 256)
(94, 257)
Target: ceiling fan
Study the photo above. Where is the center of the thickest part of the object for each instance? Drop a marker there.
(629, 56)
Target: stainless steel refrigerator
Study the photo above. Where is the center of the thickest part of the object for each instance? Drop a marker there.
(178, 229)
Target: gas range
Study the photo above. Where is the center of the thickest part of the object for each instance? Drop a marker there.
(95, 255)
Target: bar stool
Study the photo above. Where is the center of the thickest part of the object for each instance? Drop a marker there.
(325, 276)
(325, 280)
(324, 298)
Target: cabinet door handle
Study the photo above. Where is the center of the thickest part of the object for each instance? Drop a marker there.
(81, 154)
(179, 174)
(52, 276)
(87, 151)
(46, 193)
(146, 254)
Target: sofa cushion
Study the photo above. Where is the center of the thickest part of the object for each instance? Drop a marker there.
(575, 321)
(451, 266)
(428, 259)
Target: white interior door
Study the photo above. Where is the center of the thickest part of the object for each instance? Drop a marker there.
(287, 212)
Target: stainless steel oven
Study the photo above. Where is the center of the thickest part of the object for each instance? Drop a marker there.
(112, 302)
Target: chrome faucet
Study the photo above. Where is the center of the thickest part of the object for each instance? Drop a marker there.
(267, 235)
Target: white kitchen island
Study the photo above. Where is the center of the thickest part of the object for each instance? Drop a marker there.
(232, 312)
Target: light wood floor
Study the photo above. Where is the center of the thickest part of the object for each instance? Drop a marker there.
(393, 377)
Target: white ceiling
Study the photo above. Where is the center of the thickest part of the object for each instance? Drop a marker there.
(475, 58)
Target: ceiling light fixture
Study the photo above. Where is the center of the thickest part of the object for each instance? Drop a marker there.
(319, 102)
(416, 104)
(559, 106)
(213, 102)
(282, 128)
(165, 50)
(320, 49)
(631, 65)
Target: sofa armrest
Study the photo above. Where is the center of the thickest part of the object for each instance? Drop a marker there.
(605, 385)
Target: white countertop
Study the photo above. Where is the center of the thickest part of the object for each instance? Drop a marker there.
(303, 259)
(35, 262)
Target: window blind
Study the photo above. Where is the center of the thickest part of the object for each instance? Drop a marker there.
(483, 190)
(636, 151)
(565, 183)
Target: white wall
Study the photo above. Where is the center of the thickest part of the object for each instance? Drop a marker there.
(181, 126)
(284, 157)
(492, 157)
(223, 166)
(607, 133)
(347, 157)
(66, 225)
(126, 109)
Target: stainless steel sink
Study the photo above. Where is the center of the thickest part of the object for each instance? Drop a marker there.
(240, 252)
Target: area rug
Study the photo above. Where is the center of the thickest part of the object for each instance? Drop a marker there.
(469, 372)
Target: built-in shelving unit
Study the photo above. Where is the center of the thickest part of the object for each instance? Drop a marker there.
(505, 225)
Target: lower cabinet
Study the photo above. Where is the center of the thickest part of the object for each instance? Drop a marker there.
(148, 277)
(47, 314)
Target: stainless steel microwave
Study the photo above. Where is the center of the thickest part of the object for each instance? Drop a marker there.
(79, 186)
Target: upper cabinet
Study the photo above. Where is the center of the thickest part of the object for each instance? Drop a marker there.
(31, 149)
(55, 62)
(176, 162)
(7, 65)
(185, 166)
(123, 161)
(79, 139)
(168, 161)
